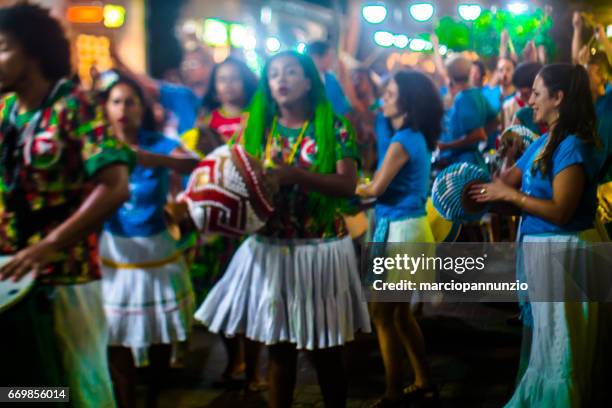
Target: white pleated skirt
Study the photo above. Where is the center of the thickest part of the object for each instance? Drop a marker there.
(306, 292)
(148, 298)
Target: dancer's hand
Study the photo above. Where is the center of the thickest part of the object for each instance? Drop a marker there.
(31, 259)
(497, 190)
(283, 174)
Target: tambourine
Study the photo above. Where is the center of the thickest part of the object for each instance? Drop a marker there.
(227, 194)
(450, 190)
(12, 292)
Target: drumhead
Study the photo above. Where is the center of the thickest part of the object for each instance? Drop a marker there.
(12, 292)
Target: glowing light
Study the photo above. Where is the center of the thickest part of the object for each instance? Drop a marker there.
(469, 12)
(85, 14)
(401, 41)
(250, 41)
(443, 49)
(238, 35)
(384, 38)
(418, 44)
(253, 61)
(266, 15)
(301, 48)
(609, 31)
(421, 11)
(518, 7)
(114, 16)
(374, 14)
(273, 44)
(215, 32)
(190, 27)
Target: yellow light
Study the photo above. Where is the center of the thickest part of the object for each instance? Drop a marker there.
(85, 14)
(114, 16)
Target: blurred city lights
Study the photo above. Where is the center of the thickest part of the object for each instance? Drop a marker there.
(301, 48)
(238, 35)
(266, 15)
(421, 11)
(401, 41)
(85, 14)
(418, 44)
(273, 44)
(374, 13)
(250, 41)
(253, 61)
(469, 12)
(114, 16)
(384, 38)
(215, 32)
(518, 7)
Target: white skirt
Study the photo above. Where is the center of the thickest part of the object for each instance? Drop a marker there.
(306, 292)
(565, 334)
(147, 292)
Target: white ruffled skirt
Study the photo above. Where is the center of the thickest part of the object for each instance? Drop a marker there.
(564, 350)
(306, 292)
(147, 292)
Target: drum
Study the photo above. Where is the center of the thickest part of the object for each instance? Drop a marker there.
(12, 292)
(450, 189)
(517, 133)
(226, 194)
(443, 230)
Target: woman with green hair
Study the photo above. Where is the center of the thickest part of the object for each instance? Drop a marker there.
(295, 284)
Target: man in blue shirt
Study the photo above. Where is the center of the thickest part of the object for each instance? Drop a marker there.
(467, 118)
(323, 57)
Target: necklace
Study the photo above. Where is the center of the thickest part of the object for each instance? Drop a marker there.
(274, 135)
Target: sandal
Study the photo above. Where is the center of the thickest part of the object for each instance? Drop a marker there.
(415, 392)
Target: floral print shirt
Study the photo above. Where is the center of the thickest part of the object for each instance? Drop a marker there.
(47, 161)
(292, 219)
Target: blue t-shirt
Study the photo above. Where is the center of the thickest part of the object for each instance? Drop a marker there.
(182, 102)
(603, 109)
(143, 214)
(335, 95)
(570, 151)
(470, 111)
(406, 195)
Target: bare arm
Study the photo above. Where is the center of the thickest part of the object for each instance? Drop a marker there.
(567, 186)
(576, 36)
(340, 184)
(395, 158)
(475, 136)
(110, 191)
(178, 160)
(437, 59)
